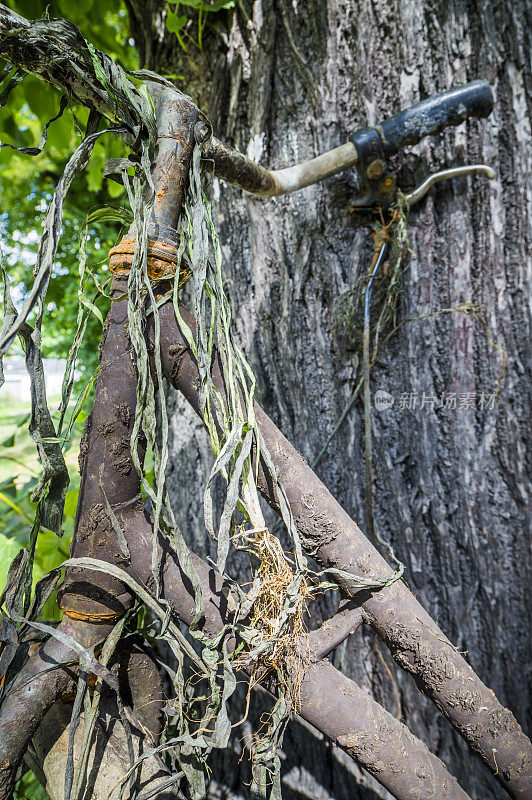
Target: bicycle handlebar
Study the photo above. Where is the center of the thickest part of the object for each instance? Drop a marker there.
(434, 114)
(365, 147)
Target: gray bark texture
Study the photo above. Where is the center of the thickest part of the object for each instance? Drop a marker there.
(285, 80)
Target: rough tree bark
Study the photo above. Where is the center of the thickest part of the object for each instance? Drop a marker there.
(285, 81)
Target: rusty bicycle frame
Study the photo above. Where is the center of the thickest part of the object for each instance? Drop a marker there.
(93, 601)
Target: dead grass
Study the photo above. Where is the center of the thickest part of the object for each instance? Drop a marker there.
(287, 652)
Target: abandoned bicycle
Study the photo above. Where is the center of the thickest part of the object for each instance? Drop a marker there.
(127, 546)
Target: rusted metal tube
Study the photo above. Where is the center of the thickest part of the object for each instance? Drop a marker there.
(176, 117)
(373, 737)
(18, 38)
(414, 639)
(335, 630)
(141, 683)
(108, 475)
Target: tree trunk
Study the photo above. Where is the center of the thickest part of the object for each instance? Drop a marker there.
(286, 81)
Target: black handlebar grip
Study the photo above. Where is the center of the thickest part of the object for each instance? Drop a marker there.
(431, 116)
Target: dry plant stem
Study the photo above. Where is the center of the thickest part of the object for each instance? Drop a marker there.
(414, 639)
(288, 652)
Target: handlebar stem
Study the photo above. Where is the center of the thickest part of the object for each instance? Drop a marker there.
(233, 167)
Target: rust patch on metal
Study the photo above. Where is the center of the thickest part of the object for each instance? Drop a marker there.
(162, 260)
(70, 612)
(105, 428)
(175, 138)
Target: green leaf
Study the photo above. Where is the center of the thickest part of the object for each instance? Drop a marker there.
(29, 787)
(28, 8)
(174, 23)
(219, 5)
(41, 99)
(71, 502)
(84, 300)
(115, 189)
(61, 132)
(94, 172)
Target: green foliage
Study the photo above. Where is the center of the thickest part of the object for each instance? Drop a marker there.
(180, 23)
(27, 182)
(29, 788)
(19, 472)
